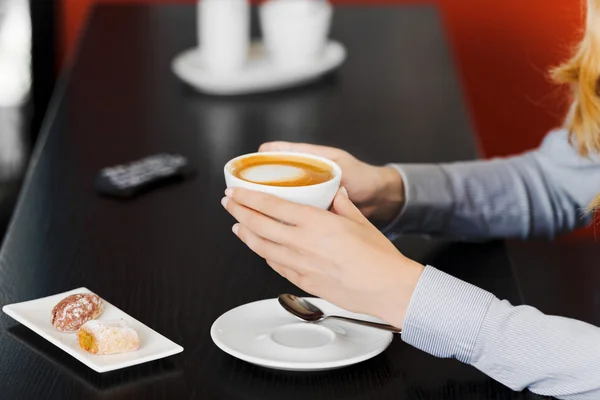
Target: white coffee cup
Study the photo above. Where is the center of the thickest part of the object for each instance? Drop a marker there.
(295, 32)
(320, 195)
(224, 34)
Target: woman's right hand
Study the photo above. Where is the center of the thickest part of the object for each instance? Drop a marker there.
(377, 191)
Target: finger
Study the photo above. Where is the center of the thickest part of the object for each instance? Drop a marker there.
(274, 207)
(328, 152)
(285, 272)
(299, 279)
(343, 207)
(260, 224)
(264, 248)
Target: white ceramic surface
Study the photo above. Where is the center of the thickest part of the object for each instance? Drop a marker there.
(263, 333)
(295, 31)
(35, 314)
(259, 73)
(224, 34)
(320, 195)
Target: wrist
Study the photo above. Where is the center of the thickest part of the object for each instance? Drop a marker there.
(390, 195)
(403, 284)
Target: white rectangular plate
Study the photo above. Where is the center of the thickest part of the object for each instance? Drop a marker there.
(35, 315)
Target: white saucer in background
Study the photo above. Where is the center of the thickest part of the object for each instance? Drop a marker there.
(259, 74)
(263, 333)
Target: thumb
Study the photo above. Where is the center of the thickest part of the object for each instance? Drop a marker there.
(276, 146)
(323, 151)
(343, 207)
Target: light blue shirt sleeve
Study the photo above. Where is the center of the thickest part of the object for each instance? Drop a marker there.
(542, 193)
(518, 346)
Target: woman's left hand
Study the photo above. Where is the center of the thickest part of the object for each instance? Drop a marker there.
(338, 256)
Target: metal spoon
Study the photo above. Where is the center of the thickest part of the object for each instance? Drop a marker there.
(307, 311)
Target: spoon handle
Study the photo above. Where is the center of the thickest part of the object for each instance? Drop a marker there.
(385, 327)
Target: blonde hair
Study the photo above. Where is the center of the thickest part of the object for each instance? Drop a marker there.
(582, 72)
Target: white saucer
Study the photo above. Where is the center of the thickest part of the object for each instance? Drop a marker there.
(259, 75)
(263, 333)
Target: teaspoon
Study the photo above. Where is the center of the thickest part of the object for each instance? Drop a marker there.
(307, 311)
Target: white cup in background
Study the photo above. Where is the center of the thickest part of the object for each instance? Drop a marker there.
(320, 195)
(224, 34)
(295, 32)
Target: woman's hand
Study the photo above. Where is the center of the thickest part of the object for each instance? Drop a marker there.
(377, 191)
(338, 256)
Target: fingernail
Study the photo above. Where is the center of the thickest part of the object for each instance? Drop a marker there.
(235, 228)
(224, 201)
(344, 191)
(228, 192)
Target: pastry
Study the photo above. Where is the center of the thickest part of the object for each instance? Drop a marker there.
(75, 310)
(108, 337)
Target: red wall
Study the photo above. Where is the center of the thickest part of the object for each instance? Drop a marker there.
(503, 50)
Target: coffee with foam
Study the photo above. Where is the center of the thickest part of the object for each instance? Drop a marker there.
(297, 177)
(282, 170)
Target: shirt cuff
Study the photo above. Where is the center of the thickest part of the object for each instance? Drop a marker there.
(445, 315)
(428, 200)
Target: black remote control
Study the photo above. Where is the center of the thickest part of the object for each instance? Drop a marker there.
(129, 180)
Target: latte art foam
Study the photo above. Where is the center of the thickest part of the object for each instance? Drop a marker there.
(272, 173)
(282, 170)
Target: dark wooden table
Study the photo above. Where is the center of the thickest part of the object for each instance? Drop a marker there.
(169, 258)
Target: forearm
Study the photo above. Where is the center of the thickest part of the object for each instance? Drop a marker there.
(542, 193)
(517, 346)
(483, 200)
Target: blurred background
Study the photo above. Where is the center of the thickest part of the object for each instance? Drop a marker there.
(502, 49)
